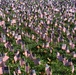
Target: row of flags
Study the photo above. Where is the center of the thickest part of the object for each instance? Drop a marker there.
(40, 28)
(66, 62)
(16, 58)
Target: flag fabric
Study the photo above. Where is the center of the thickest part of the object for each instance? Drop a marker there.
(33, 72)
(22, 62)
(72, 69)
(13, 21)
(33, 37)
(63, 46)
(1, 60)
(26, 53)
(37, 61)
(47, 70)
(74, 54)
(3, 22)
(59, 57)
(65, 62)
(5, 69)
(19, 37)
(64, 29)
(15, 58)
(47, 44)
(1, 71)
(27, 68)
(5, 58)
(18, 70)
(14, 73)
(67, 50)
(4, 38)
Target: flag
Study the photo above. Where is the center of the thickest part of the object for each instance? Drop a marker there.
(63, 46)
(13, 33)
(64, 29)
(18, 70)
(48, 21)
(1, 60)
(37, 61)
(4, 38)
(3, 22)
(14, 73)
(33, 37)
(25, 53)
(5, 58)
(0, 23)
(22, 62)
(51, 50)
(27, 68)
(33, 72)
(47, 44)
(56, 10)
(43, 45)
(48, 70)
(67, 50)
(65, 62)
(68, 33)
(15, 58)
(70, 62)
(13, 21)
(6, 69)
(19, 37)
(72, 69)
(5, 45)
(59, 57)
(74, 54)
(1, 71)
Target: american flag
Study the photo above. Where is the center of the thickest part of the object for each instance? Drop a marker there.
(37, 61)
(1, 71)
(75, 28)
(0, 23)
(14, 73)
(13, 21)
(47, 44)
(6, 69)
(48, 70)
(22, 62)
(5, 58)
(33, 37)
(72, 69)
(4, 38)
(65, 61)
(48, 21)
(33, 72)
(18, 70)
(64, 29)
(59, 57)
(25, 53)
(1, 60)
(27, 68)
(3, 22)
(22, 45)
(63, 46)
(19, 37)
(74, 54)
(16, 56)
